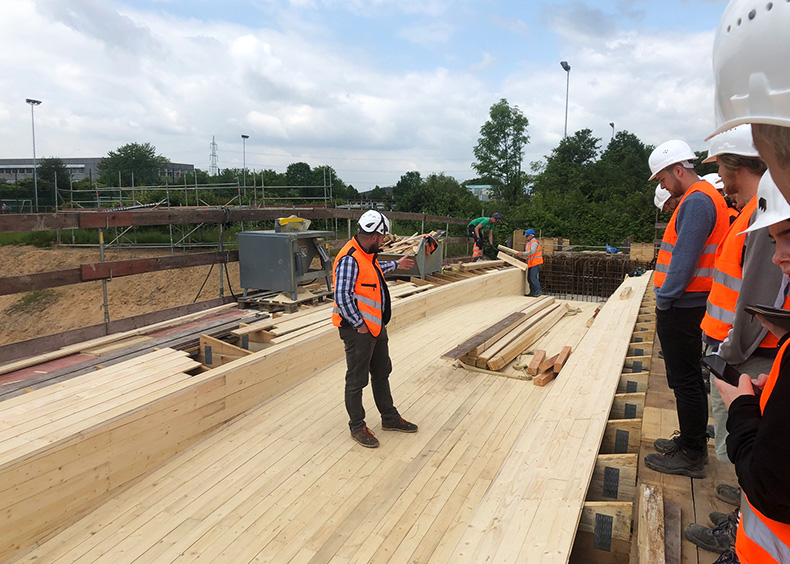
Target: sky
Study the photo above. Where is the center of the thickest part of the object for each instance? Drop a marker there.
(372, 88)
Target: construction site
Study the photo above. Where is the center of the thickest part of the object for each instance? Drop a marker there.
(138, 424)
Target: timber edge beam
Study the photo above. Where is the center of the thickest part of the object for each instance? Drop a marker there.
(179, 216)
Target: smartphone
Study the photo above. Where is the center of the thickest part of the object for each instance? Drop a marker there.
(723, 371)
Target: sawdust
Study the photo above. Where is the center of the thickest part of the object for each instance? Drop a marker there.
(26, 316)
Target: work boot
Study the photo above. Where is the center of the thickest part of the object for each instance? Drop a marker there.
(718, 540)
(670, 445)
(728, 494)
(717, 517)
(680, 461)
(400, 425)
(366, 438)
(728, 557)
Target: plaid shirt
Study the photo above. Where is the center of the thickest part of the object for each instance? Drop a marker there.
(346, 273)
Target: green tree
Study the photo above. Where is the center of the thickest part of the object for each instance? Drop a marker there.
(133, 163)
(500, 150)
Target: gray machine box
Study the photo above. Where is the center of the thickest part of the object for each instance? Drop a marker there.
(280, 261)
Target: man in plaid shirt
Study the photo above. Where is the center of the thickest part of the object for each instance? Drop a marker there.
(362, 310)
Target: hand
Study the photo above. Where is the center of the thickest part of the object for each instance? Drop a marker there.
(729, 393)
(362, 330)
(778, 332)
(405, 263)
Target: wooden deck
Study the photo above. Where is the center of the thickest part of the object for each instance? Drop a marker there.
(497, 473)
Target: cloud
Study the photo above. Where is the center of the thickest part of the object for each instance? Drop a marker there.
(514, 25)
(429, 33)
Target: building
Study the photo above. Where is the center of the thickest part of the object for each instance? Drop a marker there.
(80, 168)
(482, 191)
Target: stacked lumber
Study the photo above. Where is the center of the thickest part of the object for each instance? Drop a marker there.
(403, 245)
(498, 345)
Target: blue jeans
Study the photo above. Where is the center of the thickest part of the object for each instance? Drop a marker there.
(367, 355)
(534, 283)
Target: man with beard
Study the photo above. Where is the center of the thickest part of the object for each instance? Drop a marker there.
(361, 313)
(683, 279)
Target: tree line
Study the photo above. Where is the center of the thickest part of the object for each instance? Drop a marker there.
(583, 191)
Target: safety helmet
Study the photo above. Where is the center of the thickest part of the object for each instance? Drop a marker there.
(750, 69)
(529, 232)
(672, 152)
(772, 207)
(661, 197)
(374, 222)
(497, 216)
(736, 141)
(715, 180)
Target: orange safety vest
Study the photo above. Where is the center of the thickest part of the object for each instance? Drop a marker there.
(702, 280)
(761, 540)
(734, 213)
(535, 257)
(368, 290)
(727, 280)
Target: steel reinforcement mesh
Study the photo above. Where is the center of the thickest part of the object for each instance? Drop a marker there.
(586, 278)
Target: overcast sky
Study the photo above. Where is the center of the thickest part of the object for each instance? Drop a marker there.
(373, 88)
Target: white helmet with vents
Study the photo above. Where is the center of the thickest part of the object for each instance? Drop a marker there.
(661, 197)
(750, 69)
(373, 221)
(672, 152)
(771, 205)
(736, 141)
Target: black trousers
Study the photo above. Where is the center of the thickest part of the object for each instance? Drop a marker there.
(681, 340)
(367, 355)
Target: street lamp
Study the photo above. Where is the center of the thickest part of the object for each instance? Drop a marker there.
(567, 68)
(33, 103)
(612, 124)
(244, 165)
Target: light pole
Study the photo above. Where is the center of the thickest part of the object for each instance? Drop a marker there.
(612, 124)
(567, 68)
(33, 103)
(244, 161)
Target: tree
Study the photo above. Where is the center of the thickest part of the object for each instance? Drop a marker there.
(500, 150)
(132, 164)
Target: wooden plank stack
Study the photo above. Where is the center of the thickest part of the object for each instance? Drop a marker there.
(498, 345)
(402, 245)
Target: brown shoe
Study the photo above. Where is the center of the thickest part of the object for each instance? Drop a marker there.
(400, 425)
(366, 438)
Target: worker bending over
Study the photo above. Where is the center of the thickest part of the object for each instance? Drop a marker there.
(683, 279)
(361, 313)
(476, 227)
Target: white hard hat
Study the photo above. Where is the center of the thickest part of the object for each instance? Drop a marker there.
(661, 197)
(671, 152)
(750, 67)
(715, 180)
(374, 222)
(736, 141)
(772, 207)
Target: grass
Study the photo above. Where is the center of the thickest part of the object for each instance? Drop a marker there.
(34, 302)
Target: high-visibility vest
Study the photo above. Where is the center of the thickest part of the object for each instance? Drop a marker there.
(702, 280)
(761, 540)
(534, 256)
(727, 280)
(369, 290)
(734, 213)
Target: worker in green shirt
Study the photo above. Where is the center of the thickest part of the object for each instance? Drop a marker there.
(476, 227)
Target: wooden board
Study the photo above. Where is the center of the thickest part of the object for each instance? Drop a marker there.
(512, 261)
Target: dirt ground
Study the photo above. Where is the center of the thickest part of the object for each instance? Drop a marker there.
(25, 316)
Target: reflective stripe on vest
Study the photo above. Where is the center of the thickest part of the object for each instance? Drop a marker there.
(759, 537)
(536, 257)
(727, 278)
(368, 292)
(702, 278)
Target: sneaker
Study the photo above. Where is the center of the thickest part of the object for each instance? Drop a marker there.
(728, 557)
(366, 438)
(717, 517)
(680, 461)
(729, 494)
(400, 425)
(720, 539)
(670, 445)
